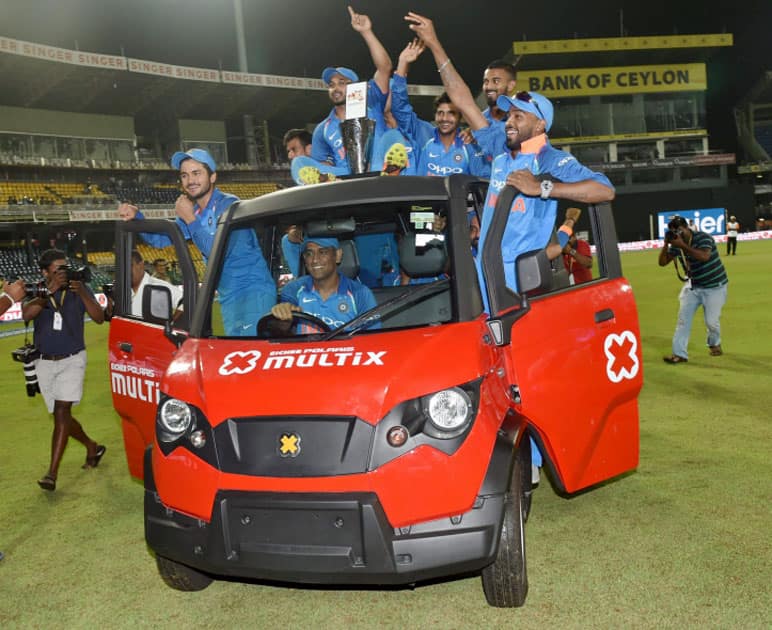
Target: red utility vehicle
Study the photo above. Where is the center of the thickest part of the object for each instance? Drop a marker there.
(393, 448)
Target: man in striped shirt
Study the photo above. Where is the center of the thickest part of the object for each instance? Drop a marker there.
(705, 285)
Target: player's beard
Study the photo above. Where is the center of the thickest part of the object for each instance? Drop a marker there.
(205, 188)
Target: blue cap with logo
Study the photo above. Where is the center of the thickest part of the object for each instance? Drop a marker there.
(348, 73)
(199, 155)
(531, 102)
(321, 241)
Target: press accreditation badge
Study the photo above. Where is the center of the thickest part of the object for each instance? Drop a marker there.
(57, 321)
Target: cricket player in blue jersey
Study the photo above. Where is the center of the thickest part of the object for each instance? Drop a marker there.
(439, 149)
(528, 162)
(541, 174)
(327, 145)
(246, 288)
(325, 292)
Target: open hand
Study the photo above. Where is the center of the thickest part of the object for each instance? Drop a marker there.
(412, 51)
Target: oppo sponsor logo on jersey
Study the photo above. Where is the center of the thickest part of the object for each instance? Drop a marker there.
(444, 170)
(135, 382)
(244, 361)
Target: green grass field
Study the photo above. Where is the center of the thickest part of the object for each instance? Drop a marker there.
(684, 542)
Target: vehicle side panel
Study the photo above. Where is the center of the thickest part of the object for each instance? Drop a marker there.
(576, 359)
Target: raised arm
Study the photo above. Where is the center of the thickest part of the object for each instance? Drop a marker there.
(417, 130)
(457, 90)
(383, 65)
(409, 54)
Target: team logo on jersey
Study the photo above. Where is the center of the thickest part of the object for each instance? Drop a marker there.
(289, 444)
(342, 307)
(622, 362)
(458, 157)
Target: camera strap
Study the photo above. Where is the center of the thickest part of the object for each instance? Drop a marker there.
(681, 258)
(54, 305)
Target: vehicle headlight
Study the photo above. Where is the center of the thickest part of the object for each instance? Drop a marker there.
(449, 412)
(175, 418)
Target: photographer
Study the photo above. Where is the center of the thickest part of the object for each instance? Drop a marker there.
(705, 285)
(62, 365)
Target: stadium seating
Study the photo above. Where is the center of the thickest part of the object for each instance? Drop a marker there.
(763, 135)
(245, 190)
(39, 193)
(14, 264)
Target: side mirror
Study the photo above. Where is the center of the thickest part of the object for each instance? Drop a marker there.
(156, 304)
(534, 272)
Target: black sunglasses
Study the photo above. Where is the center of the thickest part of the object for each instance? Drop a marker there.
(527, 98)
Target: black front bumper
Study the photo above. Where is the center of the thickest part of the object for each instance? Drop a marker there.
(321, 538)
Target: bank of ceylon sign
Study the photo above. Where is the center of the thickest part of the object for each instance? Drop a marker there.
(615, 80)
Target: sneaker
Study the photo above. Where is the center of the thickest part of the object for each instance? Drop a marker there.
(395, 159)
(312, 175)
(715, 351)
(674, 358)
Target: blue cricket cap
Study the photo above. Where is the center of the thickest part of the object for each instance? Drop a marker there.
(348, 73)
(321, 241)
(531, 102)
(199, 155)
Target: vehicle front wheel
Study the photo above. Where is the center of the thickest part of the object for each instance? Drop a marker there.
(505, 582)
(180, 576)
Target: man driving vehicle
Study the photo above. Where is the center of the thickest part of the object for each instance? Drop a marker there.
(325, 292)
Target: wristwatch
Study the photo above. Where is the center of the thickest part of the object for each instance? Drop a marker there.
(546, 189)
(572, 253)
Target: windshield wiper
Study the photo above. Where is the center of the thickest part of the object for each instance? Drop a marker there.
(373, 315)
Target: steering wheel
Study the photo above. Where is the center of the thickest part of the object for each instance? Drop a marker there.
(270, 326)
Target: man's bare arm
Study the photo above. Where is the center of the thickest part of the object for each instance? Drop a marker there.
(457, 89)
(383, 64)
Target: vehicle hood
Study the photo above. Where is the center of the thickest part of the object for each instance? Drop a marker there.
(364, 376)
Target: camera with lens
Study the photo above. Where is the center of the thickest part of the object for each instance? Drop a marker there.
(671, 235)
(35, 290)
(27, 355)
(82, 274)
(109, 290)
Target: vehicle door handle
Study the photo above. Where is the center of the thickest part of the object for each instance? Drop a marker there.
(604, 315)
(125, 346)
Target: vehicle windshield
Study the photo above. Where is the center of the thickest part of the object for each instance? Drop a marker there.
(336, 272)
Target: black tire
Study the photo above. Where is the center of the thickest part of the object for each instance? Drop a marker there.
(180, 576)
(505, 582)
(525, 462)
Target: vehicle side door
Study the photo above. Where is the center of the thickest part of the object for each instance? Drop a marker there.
(139, 347)
(574, 359)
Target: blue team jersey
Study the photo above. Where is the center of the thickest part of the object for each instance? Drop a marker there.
(492, 139)
(327, 139)
(531, 219)
(350, 300)
(246, 288)
(432, 157)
